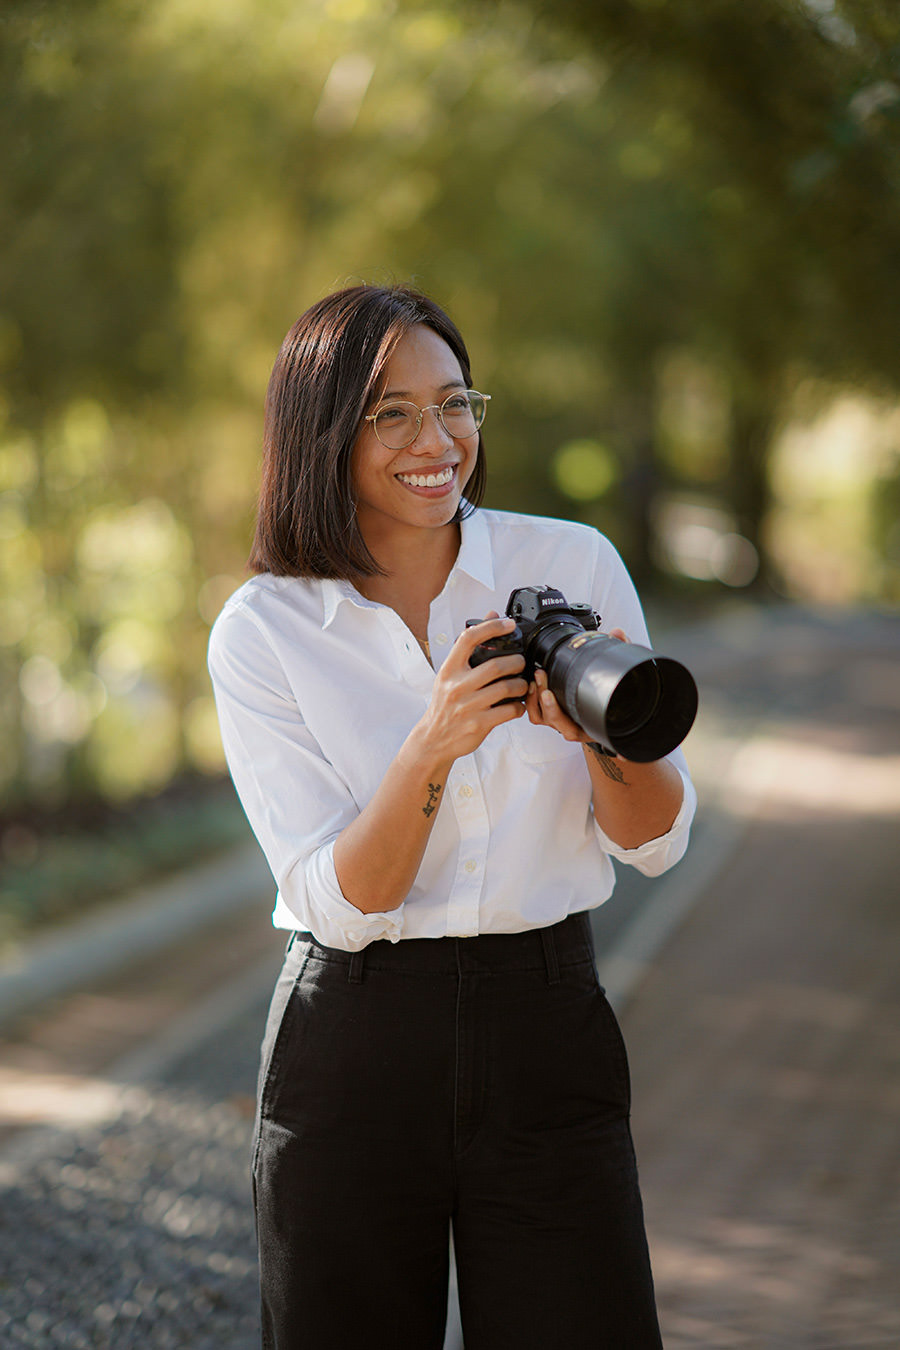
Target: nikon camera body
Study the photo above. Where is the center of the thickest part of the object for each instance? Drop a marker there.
(629, 700)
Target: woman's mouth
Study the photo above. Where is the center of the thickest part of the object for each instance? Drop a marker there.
(440, 478)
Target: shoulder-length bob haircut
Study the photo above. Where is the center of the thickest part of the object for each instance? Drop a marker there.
(328, 374)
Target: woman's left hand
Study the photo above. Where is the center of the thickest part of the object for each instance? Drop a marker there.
(632, 803)
(544, 711)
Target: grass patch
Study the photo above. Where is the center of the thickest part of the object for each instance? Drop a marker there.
(60, 864)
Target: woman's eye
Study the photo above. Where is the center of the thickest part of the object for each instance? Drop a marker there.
(458, 403)
(392, 414)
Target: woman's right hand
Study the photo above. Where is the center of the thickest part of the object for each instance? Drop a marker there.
(377, 856)
(466, 701)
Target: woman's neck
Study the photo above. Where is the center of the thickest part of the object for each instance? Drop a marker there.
(416, 567)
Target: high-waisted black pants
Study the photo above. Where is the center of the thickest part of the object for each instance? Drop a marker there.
(475, 1081)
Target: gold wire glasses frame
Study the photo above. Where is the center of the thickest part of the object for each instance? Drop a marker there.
(461, 414)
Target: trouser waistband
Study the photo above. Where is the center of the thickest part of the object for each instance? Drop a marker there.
(565, 943)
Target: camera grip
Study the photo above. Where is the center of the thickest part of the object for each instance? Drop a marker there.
(507, 644)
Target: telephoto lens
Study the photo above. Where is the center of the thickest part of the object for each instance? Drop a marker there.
(632, 701)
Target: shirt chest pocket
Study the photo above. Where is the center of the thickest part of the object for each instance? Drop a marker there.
(538, 745)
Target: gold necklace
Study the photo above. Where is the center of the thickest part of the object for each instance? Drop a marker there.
(423, 642)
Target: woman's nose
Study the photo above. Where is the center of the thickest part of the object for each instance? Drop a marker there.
(433, 436)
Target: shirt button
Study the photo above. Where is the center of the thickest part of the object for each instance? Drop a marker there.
(442, 639)
(466, 791)
(471, 865)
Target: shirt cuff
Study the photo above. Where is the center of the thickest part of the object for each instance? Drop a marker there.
(332, 919)
(658, 855)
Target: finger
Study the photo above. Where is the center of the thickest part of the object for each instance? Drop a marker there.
(544, 710)
(620, 634)
(539, 687)
(493, 626)
(549, 706)
(499, 668)
(498, 691)
(507, 712)
(533, 705)
(554, 716)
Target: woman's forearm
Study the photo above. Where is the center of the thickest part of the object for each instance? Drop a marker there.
(378, 855)
(633, 803)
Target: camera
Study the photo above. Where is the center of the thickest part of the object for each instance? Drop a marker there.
(631, 701)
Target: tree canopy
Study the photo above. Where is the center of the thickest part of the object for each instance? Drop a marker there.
(654, 221)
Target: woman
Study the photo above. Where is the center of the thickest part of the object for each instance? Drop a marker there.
(438, 1051)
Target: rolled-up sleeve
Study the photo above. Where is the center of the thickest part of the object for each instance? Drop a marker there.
(296, 802)
(657, 855)
(617, 601)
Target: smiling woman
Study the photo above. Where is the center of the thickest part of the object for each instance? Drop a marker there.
(320, 411)
(421, 842)
(409, 471)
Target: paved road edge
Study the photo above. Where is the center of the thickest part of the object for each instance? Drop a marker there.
(146, 922)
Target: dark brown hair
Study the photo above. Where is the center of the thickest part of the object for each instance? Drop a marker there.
(326, 376)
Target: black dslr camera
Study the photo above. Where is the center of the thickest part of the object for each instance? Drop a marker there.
(633, 702)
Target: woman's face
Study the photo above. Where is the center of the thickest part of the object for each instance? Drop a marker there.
(391, 489)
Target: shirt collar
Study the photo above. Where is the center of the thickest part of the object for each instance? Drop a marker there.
(474, 558)
(334, 593)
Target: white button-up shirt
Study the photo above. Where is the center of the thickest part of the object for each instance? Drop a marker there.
(317, 688)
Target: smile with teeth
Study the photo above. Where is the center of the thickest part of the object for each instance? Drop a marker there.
(439, 479)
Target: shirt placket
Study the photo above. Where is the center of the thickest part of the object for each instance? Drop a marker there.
(412, 663)
(470, 809)
(464, 792)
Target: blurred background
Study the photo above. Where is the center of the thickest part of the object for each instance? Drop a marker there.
(670, 232)
(673, 245)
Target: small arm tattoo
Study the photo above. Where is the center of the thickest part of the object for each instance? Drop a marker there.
(609, 765)
(434, 791)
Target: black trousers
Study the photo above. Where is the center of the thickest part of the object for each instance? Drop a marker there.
(478, 1081)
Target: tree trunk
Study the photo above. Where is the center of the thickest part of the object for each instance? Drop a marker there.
(753, 423)
(642, 480)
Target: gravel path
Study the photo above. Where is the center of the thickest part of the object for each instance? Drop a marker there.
(139, 1232)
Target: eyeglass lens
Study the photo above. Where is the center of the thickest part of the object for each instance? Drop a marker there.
(397, 424)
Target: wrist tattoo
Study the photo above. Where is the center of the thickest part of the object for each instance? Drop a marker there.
(609, 765)
(434, 791)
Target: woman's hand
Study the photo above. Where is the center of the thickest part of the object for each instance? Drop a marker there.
(377, 856)
(632, 803)
(543, 708)
(467, 701)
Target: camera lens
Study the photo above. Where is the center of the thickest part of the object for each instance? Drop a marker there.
(635, 701)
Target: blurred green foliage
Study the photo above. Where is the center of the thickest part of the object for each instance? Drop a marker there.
(663, 227)
(64, 864)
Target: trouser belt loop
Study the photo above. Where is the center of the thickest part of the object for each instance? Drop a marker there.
(357, 963)
(550, 955)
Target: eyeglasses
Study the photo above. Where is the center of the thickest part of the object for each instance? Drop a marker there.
(461, 414)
